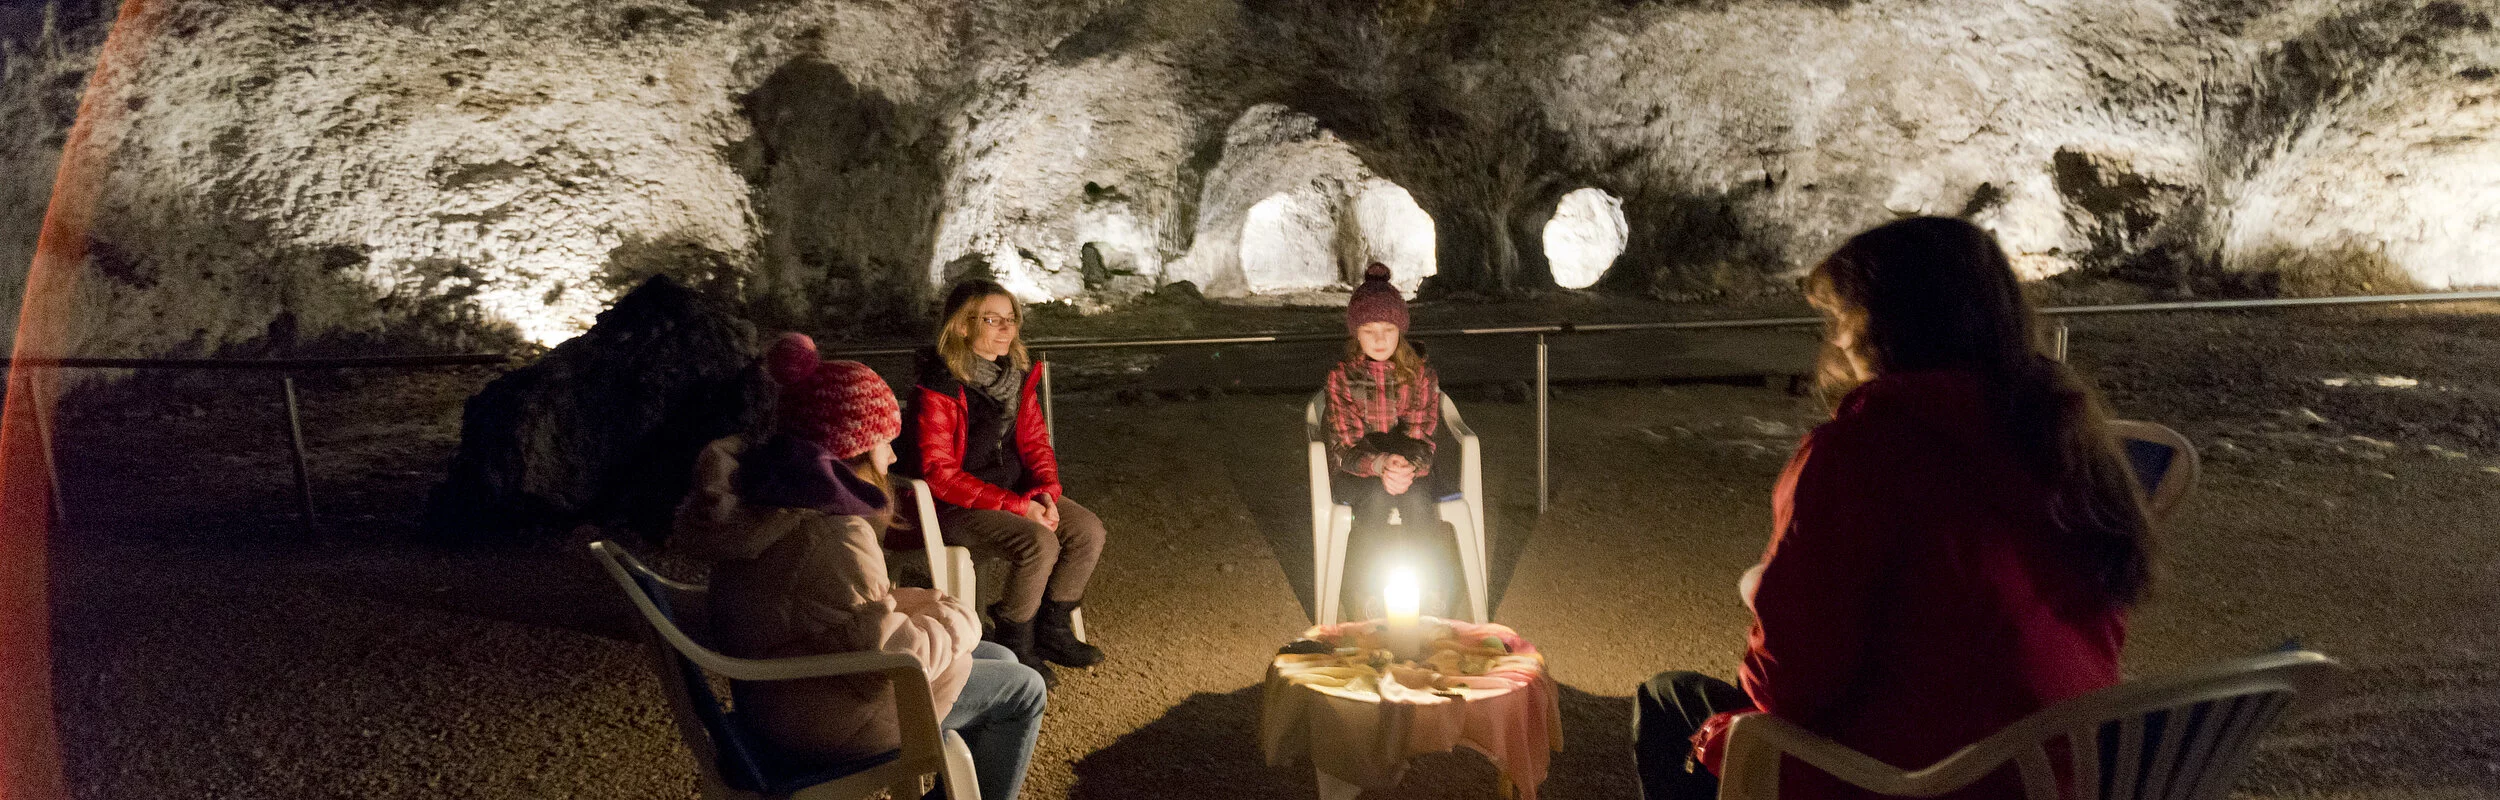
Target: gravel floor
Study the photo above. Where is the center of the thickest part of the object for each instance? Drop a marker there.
(202, 654)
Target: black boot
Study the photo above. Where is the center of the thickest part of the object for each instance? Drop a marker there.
(1054, 635)
(1018, 637)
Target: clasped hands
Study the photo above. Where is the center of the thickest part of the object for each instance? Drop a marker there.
(1396, 473)
(1043, 510)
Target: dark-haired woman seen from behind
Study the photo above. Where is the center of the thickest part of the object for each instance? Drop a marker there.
(986, 452)
(1956, 549)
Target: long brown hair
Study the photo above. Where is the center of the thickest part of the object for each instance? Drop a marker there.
(1937, 293)
(867, 471)
(1405, 365)
(961, 314)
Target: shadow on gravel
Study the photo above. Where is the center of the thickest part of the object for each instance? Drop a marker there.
(1207, 746)
(1266, 460)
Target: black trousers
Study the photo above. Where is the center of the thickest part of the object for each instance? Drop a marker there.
(1665, 713)
(1418, 539)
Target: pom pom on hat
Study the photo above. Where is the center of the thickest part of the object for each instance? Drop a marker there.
(844, 406)
(1376, 301)
(792, 359)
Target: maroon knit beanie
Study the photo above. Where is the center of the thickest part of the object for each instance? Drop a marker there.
(1376, 301)
(842, 405)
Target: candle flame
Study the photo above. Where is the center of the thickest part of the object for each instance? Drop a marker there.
(1404, 595)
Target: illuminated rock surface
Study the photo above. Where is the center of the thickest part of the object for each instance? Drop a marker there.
(287, 174)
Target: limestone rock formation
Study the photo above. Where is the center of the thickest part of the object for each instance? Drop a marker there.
(605, 427)
(399, 168)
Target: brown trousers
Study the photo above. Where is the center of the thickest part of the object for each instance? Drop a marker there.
(1039, 560)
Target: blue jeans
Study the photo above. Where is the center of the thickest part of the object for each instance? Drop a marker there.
(999, 715)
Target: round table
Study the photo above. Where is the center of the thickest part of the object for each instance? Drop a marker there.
(1358, 734)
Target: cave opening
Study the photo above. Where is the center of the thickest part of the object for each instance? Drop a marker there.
(1586, 234)
(1288, 207)
(1304, 240)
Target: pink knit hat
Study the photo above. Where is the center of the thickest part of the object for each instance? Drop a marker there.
(1376, 301)
(842, 405)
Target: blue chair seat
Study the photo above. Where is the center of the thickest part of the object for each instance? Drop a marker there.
(2151, 461)
(781, 774)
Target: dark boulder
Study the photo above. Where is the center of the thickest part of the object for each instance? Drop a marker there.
(603, 429)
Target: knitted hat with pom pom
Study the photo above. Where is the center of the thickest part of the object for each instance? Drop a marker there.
(842, 405)
(1376, 301)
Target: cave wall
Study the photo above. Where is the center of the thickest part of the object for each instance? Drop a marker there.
(290, 173)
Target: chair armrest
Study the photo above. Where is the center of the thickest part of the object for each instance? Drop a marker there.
(915, 710)
(1755, 742)
(816, 666)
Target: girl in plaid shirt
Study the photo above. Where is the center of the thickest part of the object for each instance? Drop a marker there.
(1384, 403)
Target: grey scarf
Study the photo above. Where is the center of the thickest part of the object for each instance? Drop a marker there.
(993, 378)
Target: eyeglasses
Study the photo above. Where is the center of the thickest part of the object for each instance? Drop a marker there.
(999, 323)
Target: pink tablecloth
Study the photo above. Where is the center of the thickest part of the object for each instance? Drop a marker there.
(1512, 714)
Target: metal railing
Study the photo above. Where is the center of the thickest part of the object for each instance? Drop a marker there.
(34, 371)
(1542, 389)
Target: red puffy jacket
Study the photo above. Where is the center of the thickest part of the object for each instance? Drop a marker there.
(940, 429)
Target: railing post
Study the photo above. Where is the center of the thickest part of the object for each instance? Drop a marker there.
(2057, 341)
(1541, 424)
(1050, 421)
(295, 438)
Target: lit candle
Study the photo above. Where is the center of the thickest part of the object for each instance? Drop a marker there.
(1404, 599)
(1405, 596)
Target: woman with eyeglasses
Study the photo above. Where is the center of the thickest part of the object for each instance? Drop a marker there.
(985, 450)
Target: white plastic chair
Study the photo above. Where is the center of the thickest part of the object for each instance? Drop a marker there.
(952, 572)
(955, 576)
(2163, 460)
(732, 763)
(2184, 737)
(1333, 522)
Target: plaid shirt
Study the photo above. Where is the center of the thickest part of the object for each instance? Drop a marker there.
(1364, 398)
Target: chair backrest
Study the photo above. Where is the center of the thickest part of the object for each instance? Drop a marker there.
(2178, 738)
(2182, 738)
(718, 741)
(2165, 463)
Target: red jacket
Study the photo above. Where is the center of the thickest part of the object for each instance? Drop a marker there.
(941, 428)
(1911, 601)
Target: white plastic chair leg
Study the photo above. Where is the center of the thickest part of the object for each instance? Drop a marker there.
(1323, 591)
(1471, 555)
(1331, 550)
(961, 782)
